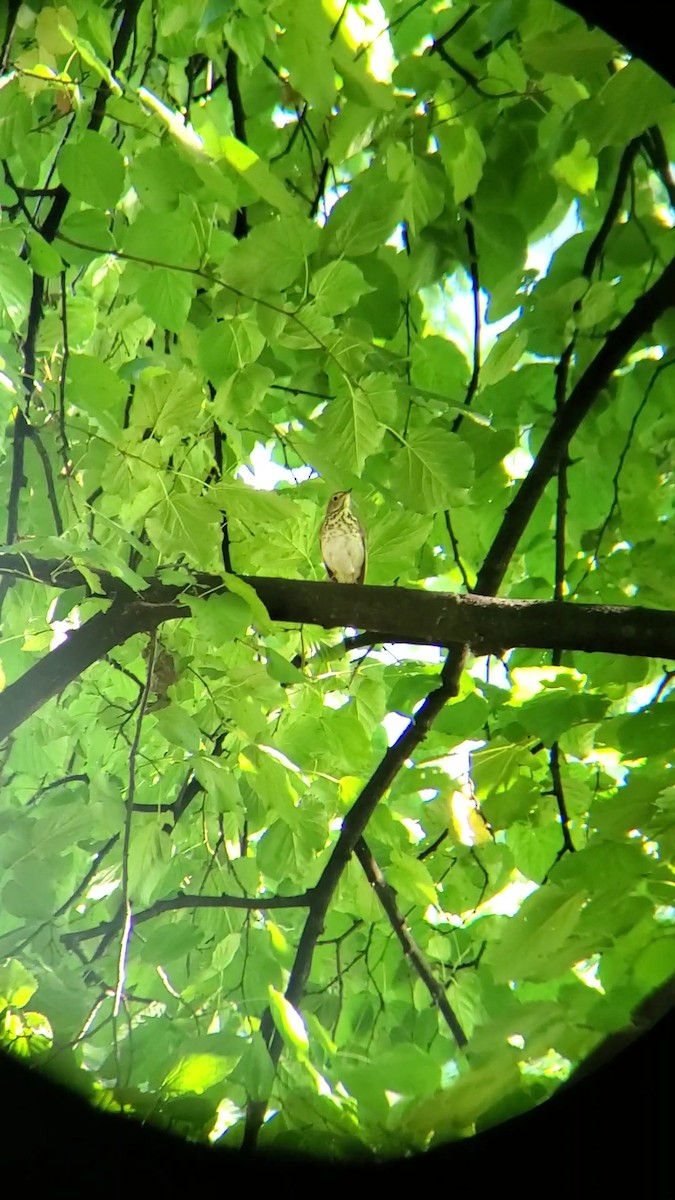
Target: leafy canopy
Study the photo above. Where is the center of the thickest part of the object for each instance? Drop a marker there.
(404, 248)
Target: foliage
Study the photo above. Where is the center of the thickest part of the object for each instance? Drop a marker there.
(326, 230)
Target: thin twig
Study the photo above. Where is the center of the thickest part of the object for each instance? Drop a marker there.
(455, 550)
(126, 840)
(65, 447)
(387, 897)
(475, 292)
(558, 792)
(239, 119)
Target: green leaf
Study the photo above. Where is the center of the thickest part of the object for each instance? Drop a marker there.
(579, 168)
(17, 985)
(504, 356)
(166, 297)
(43, 257)
(432, 470)
(219, 619)
(163, 239)
(219, 781)
(307, 52)
(463, 156)
(188, 522)
(87, 52)
(95, 389)
(93, 170)
(179, 727)
(15, 290)
(198, 1072)
(338, 287)
(350, 427)
(239, 587)
(631, 100)
(539, 931)
(258, 176)
(455, 1110)
(412, 879)
(83, 236)
(641, 734)
(29, 892)
(364, 217)
(289, 1022)
(160, 177)
(228, 346)
(534, 848)
(272, 256)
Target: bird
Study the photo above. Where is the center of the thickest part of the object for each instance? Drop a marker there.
(343, 541)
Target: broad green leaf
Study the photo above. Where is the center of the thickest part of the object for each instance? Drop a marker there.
(219, 780)
(219, 619)
(364, 217)
(630, 101)
(350, 428)
(188, 522)
(163, 239)
(411, 878)
(15, 290)
(248, 594)
(166, 296)
(504, 356)
(540, 930)
(87, 52)
(160, 176)
(272, 256)
(228, 346)
(179, 727)
(95, 389)
(579, 168)
(307, 51)
(288, 1021)
(455, 1110)
(198, 1072)
(43, 257)
(433, 469)
(463, 156)
(83, 236)
(93, 170)
(28, 892)
(338, 286)
(258, 176)
(17, 985)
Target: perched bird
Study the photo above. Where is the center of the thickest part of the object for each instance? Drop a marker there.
(343, 542)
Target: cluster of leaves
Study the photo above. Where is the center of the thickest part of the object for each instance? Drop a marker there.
(295, 224)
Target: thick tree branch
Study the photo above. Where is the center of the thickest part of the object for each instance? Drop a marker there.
(83, 647)
(388, 614)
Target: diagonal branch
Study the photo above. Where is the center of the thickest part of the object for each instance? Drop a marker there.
(616, 346)
(387, 897)
(353, 828)
(66, 663)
